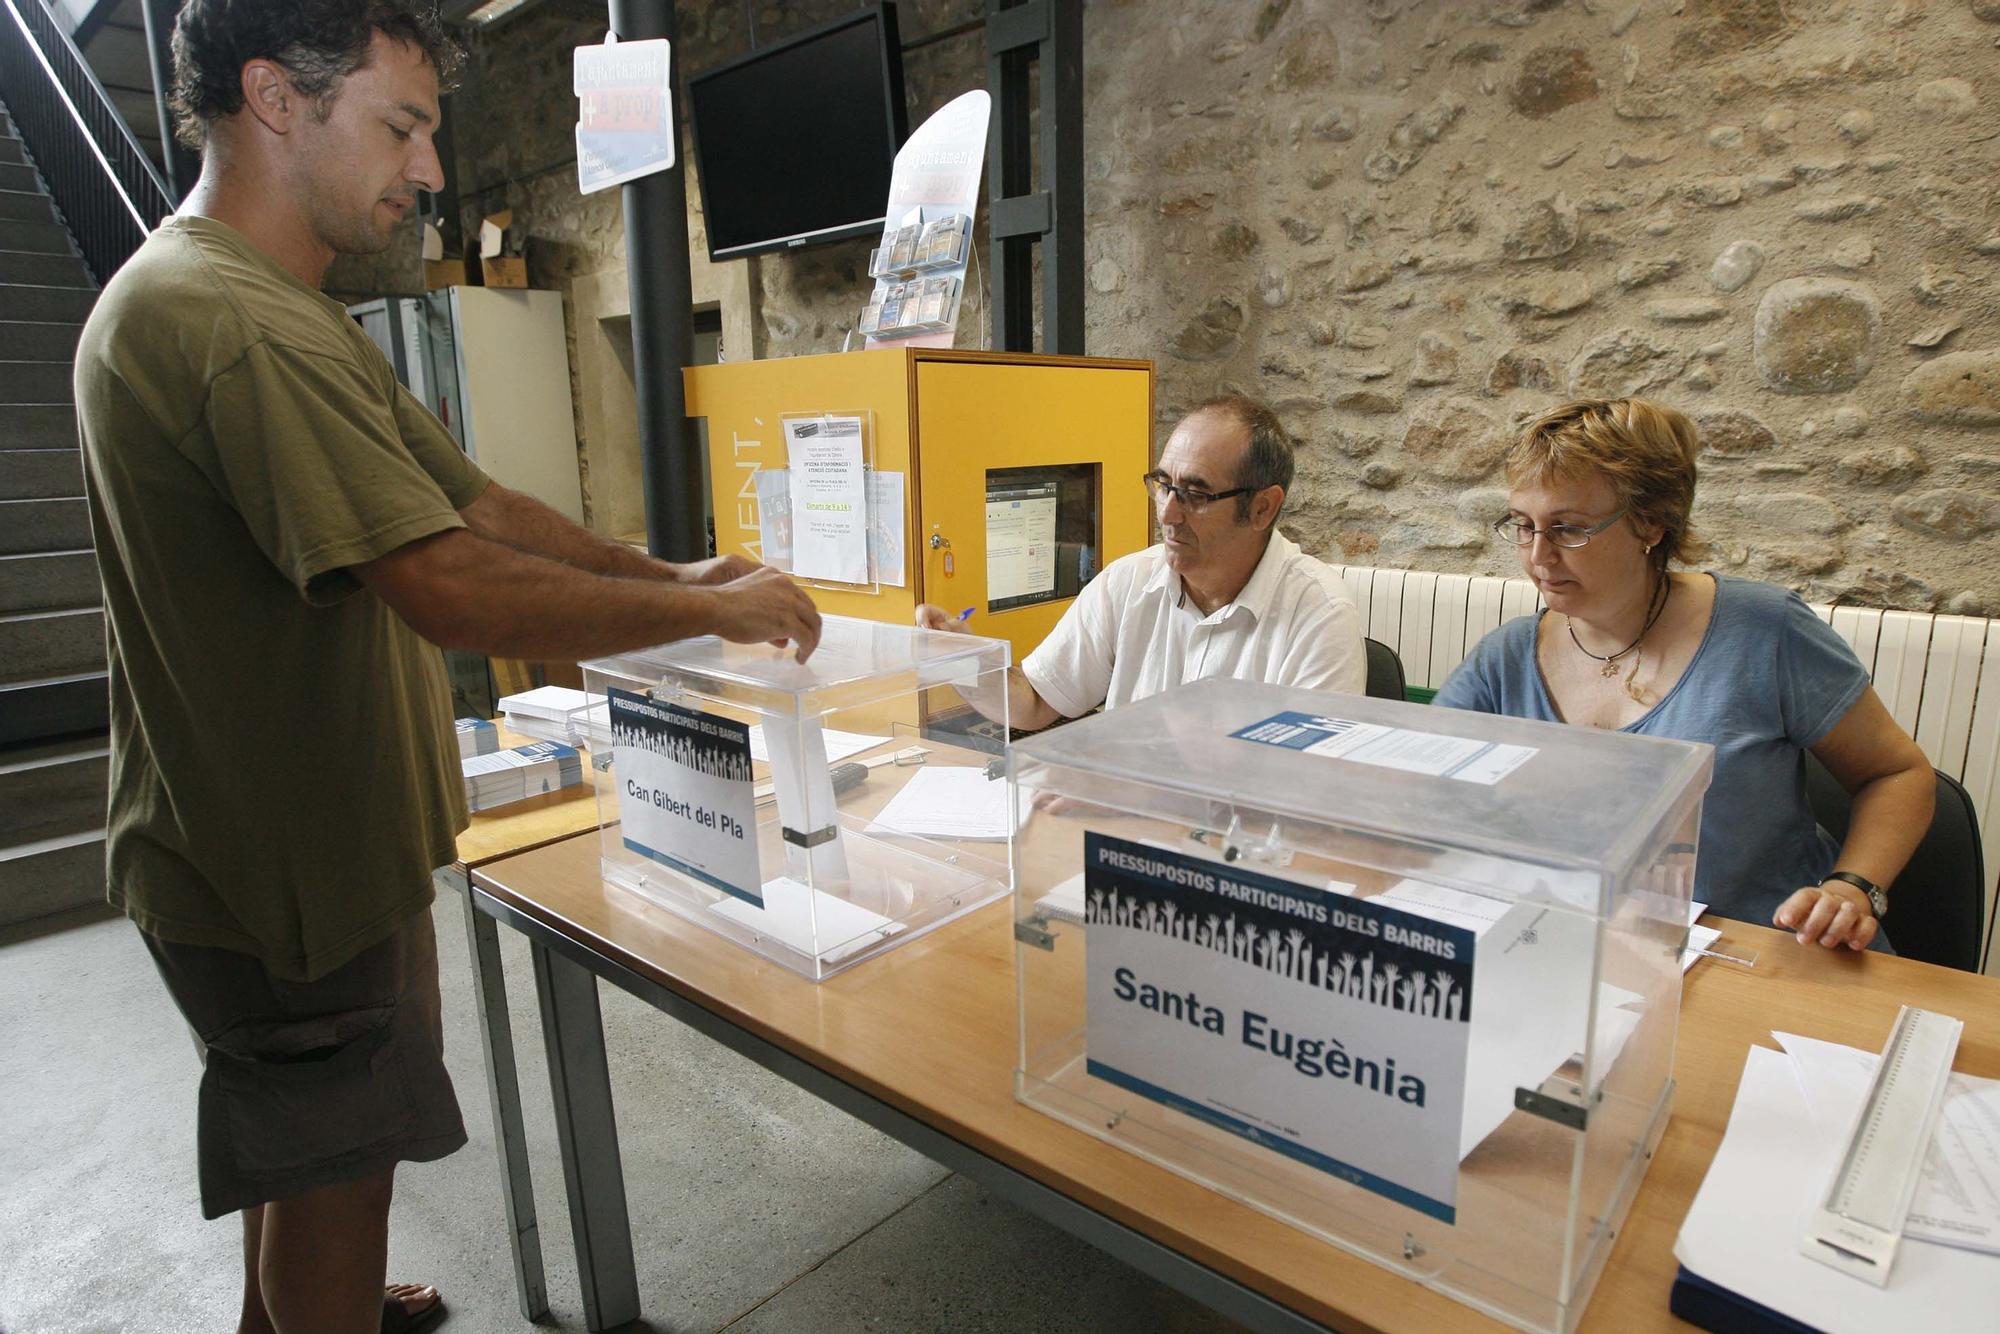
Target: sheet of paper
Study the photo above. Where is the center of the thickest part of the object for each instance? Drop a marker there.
(839, 745)
(1428, 753)
(555, 703)
(886, 558)
(1958, 1201)
(1021, 544)
(952, 802)
(774, 517)
(789, 913)
(829, 494)
(1743, 1230)
(1475, 912)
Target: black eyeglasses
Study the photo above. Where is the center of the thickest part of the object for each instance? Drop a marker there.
(1522, 533)
(1159, 487)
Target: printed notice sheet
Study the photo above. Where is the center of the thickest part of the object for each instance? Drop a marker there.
(1389, 747)
(1330, 1029)
(885, 529)
(829, 493)
(684, 792)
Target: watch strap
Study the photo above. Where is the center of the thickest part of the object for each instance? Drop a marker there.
(1878, 898)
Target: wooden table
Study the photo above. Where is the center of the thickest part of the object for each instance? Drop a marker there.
(505, 831)
(921, 1044)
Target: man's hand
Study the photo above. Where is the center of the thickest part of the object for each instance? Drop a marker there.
(1833, 914)
(765, 605)
(716, 570)
(932, 617)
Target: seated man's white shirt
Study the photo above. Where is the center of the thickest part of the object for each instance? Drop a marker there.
(1133, 632)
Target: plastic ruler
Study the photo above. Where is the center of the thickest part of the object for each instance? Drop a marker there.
(1857, 1227)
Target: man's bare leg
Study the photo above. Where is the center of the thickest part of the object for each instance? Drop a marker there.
(255, 1319)
(322, 1257)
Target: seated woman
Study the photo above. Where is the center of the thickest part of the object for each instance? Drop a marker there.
(1600, 494)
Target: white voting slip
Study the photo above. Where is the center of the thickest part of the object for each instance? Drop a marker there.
(1765, 1183)
(839, 745)
(789, 913)
(950, 801)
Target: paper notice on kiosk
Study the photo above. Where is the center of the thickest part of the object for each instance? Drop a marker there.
(1329, 1029)
(829, 492)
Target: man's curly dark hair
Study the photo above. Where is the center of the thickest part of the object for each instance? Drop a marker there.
(319, 42)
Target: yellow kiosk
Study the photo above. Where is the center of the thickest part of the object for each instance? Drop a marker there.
(1017, 476)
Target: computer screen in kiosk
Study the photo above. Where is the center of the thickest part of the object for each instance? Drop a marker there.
(1042, 534)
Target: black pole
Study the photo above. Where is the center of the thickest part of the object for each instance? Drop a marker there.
(180, 162)
(656, 259)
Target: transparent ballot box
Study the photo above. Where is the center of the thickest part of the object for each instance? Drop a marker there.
(1403, 977)
(816, 813)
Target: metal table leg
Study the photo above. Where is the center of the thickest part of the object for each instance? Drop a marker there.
(580, 1080)
(503, 1087)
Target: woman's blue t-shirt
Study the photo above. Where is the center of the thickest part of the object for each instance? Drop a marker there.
(1768, 682)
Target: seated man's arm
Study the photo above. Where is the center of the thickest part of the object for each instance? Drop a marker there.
(464, 591)
(1025, 710)
(513, 518)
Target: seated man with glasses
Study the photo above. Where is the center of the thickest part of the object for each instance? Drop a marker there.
(1599, 504)
(1224, 593)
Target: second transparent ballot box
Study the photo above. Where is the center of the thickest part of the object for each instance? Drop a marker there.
(1404, 977)
(818, 813)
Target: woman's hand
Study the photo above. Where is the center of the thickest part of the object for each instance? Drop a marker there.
(1834, 914)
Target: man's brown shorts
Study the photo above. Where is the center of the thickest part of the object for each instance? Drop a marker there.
(310, 1084)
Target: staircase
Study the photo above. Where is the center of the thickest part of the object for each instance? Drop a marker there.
(53, 753)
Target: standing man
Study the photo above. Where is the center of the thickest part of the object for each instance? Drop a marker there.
(1224, 593)
(280, 528)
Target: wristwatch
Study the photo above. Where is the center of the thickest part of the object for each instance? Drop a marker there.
(1878, 898)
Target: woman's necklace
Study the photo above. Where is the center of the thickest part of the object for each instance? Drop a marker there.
(1610, 667)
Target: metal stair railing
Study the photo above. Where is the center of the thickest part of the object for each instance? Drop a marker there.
(102, 181)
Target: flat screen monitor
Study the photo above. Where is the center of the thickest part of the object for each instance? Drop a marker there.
(794, 143)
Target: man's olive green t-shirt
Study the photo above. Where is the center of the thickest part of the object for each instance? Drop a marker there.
(283, 776)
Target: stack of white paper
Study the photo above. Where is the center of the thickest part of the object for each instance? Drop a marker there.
(810, 921)
(515, 775)
(555, 713)
(950, 802)
(476, 736)
(839, 745)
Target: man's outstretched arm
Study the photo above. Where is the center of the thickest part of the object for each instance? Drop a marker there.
(516, 519)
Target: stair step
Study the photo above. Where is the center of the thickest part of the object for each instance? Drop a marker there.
(38, 340)
(34, 382)
(61, 305)
(17, 266)
(49, 582)
(43, 238)
(43, 525)
(34, 711)
(52, 790)
(37, 426)
(50, 876)
(35, 645)
(10, 151)
(19, 176)
(41, 474)
(33, 206)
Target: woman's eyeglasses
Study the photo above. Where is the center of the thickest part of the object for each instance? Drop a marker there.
(1522, 533)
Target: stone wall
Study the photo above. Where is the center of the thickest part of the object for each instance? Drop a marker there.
(1410, 223)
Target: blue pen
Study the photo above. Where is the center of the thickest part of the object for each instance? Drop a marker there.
(965, 616)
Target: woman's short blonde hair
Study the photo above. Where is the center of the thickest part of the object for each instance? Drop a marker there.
(1645, 450)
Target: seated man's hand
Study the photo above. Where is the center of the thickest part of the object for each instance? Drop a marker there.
(1833, 914)
(716, 569)
(933, 617)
